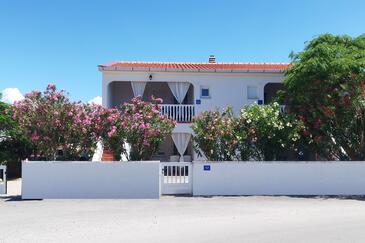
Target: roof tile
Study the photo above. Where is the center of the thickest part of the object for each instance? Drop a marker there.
(198, 66)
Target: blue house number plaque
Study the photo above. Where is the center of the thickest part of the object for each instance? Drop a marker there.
(206, 167)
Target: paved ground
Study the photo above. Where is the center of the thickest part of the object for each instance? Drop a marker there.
(182, 219)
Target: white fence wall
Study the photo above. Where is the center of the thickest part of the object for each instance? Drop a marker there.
(279, 178)
(41, 180)
(3, 180)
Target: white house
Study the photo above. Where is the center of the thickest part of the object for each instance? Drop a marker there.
(188, 89)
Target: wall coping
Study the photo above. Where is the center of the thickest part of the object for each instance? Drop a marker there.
(92, 162)
(278, 162)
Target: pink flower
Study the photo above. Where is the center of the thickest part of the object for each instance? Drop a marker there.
(51, 87)
(155, 110)
(111, 118)
(34, 137)
(112, 131)
(146, 143)
(28, 95)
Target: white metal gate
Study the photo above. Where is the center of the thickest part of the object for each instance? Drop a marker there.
(2, 179)
(176, 178)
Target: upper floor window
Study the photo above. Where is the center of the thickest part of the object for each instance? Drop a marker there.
(204, 92)
(252, 92)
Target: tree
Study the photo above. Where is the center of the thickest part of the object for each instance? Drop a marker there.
(14, 146)
(265, 133)
(259, 133)
(58, 128)
(326, 88)
(144, 127)
(215, 135)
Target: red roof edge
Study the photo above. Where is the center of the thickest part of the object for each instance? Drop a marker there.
(195, 65)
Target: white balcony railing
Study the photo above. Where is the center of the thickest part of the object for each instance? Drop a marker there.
(179, 113)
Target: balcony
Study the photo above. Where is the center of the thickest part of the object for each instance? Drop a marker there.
(179, 113)
(120, 92)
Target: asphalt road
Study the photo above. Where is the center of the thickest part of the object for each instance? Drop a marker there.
(182, 219)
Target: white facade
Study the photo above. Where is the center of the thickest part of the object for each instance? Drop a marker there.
(227, 87)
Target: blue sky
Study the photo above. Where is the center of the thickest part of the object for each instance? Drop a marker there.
(63, 41)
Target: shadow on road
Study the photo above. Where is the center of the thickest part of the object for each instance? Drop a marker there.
(325, 197)
(358, 198)
(16, 198)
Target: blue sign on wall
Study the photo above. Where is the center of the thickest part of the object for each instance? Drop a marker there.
(198, 102)
(260, 102)
(206, 167)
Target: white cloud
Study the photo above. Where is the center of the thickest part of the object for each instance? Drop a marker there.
(97, 100)
(10, 95)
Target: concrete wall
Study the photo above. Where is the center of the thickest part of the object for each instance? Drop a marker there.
(279, 178)
(3, 179)
(41, 180)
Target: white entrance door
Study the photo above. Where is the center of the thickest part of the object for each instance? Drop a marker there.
(176, 178)
(2, 179)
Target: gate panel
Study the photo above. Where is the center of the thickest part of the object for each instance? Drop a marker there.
(2, 179)
(176, 178)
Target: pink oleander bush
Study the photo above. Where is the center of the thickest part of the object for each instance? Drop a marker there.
(58, 128)
(144, 127)
(215, 135)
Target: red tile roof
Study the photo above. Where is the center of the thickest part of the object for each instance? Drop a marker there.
(186, 66)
